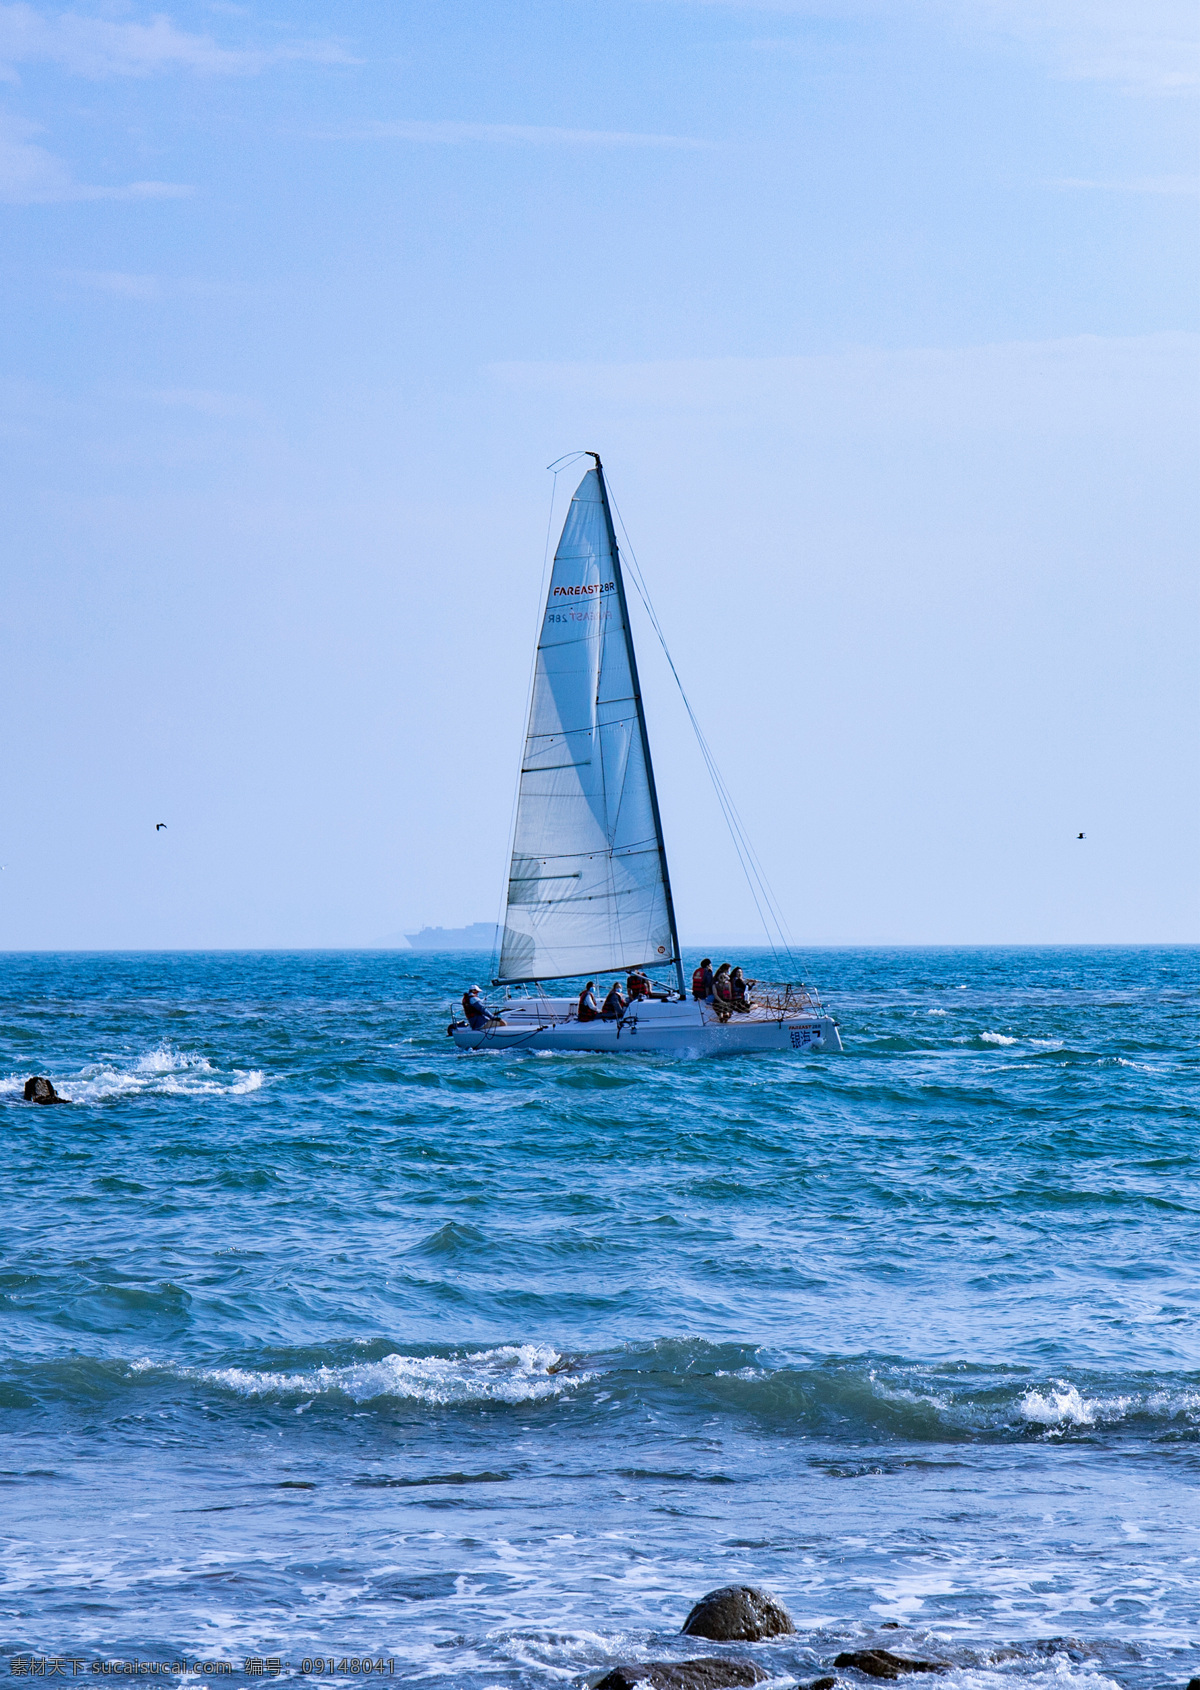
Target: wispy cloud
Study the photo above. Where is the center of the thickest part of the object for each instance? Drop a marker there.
(513, 133)
(1185, 185)
(1148, 46)
(1083, 383)
(207, 401)
(134, 285)
(121, 283)
(100, 47)
(31, 175)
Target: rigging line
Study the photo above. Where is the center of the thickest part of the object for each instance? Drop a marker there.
(759, 886)
(757, 870)
(498, 937)
(751, 864)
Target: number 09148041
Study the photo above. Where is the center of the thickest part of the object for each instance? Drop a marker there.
(352, 1664)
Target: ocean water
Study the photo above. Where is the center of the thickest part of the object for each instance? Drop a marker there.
(323, 1342)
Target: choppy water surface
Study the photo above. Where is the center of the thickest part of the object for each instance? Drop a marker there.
(321, 1339)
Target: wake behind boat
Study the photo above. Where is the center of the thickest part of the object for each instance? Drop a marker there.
(588, 891)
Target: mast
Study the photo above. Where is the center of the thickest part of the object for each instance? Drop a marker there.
(641, 715)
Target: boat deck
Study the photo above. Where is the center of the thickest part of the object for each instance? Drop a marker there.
(680, 1027)
(652, 1012)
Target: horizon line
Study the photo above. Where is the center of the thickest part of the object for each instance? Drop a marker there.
(450, 950)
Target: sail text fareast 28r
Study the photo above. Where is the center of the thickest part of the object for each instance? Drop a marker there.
(588, 888)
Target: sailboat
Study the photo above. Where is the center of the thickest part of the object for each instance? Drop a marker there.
(588, 890)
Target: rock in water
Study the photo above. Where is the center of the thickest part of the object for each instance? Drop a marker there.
(738, 1613)
(708, 1673)
(881, 1663)
(39, 1090)
(823, 1684)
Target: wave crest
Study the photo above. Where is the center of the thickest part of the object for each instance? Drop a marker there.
(162, 1071)
(511, 1373)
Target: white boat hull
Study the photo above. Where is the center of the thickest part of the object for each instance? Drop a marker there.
(653, 1028)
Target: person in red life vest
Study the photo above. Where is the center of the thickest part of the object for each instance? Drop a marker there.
(739, 988)
(614, 1004)
(702, 981)
(638, 985)
(587, 1009)
(722, 998)
(477, 1013)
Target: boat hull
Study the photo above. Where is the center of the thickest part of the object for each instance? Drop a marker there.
(667, 1029)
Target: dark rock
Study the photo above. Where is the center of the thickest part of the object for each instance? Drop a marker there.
(708, 1673)
(881, 1663)
(738, 1613)
(39, 1090)
(823, 1684)
(1193, 1684)
(1070, 1646)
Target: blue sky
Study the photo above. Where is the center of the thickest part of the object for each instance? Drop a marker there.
(883, 317)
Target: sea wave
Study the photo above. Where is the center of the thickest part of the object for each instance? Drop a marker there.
(844, 1403)
(510, 1373)
(863, 1399)
(162, 1071)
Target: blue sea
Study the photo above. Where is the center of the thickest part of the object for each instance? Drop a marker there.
(326, 1345)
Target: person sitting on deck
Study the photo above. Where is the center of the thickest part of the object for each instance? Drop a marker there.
(739, 988)
(587, 1010)
(477, 1012)
(614, 1003)
(702, 981)
(722, 998)
(637, 985)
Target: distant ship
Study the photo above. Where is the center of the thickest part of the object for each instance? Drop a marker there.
(479, 936)
(588, 890)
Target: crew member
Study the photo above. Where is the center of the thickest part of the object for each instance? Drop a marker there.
(702, 981)
(614, 1003)
(477, 1013)
(739, 988)
(722, 998)
(637, 985)
(587, 1010)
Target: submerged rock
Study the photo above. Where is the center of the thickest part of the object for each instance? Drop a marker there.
(738, 1613)
(881, 1663)
(39, 1090)
(1070, 1646)
(823, 1684)
(708, 1673)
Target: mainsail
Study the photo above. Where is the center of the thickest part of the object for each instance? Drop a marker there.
(588, 889)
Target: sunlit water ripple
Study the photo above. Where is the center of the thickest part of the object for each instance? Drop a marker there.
(325, 1340)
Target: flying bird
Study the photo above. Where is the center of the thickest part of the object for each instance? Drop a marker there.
(1078, 835)
(157, 825)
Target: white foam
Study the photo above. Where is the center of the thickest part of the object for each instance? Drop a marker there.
(997, 1039)
(512, 1373)
(162, 1071)
(1058, 1673)
(1059, 1405)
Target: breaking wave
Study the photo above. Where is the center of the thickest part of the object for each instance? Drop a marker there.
(864, 1400)
(511, 1373)
(162, 1072)
(842, 1403)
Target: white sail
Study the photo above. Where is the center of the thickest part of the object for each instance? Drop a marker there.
(588, 890)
